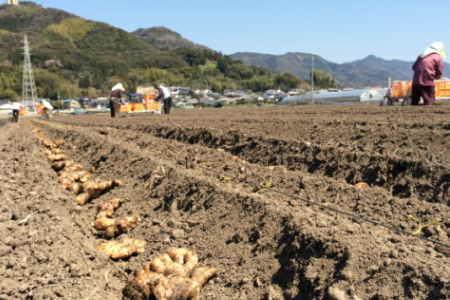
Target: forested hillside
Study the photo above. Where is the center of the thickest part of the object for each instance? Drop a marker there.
(81, 57)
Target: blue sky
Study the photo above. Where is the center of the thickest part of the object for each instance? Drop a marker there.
(338, 30)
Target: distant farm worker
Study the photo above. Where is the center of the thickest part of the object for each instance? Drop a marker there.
(428, 67)
(116, 95)
(47, 108)
(16, 109)
(164, 95)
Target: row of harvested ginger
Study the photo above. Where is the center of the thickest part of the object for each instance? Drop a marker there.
(73, 178)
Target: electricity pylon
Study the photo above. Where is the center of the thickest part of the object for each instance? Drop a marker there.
(29, 86)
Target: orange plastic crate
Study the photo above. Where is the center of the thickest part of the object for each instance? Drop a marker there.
(137, 106)
(442, 88)
(152, 105)
(399, 89)
(124, 108)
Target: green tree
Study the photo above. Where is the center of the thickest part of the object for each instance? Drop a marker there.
(287, 80)
(9, 95)
(57, 104)
(217, 87)
(84, 82)
(322, 79)
(239, 71)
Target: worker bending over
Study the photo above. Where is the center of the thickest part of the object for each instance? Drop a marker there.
(115, 97)
(428, 67)
(164, 94)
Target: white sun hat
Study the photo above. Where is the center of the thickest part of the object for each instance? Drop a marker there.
(118, 86)
(436, 47)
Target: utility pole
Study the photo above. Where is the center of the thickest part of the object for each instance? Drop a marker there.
(312, 80)
(29, 87)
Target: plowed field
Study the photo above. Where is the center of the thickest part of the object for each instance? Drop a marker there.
(264, 243)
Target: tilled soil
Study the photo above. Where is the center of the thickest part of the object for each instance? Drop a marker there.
(4, 121)
(265, 245)
(52, 255)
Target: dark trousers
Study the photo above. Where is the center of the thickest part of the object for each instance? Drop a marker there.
(15, 115)
(427, 93)
(114, 106)
(167, 105)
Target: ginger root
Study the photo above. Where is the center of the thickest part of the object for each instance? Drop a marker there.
(173, 269)
(362, 185)
(202, 275)
(183, 288)
(123, 248)
(56, 151)
(56, 157)
(105, 211)
(190, 261)
(177, 254)
(121, 226)
(70, 168)
(141, 287)
(58, 143)
(174, 284)
(158, 265)
(81, 176)
(110, 206)
(103, 223)
(59, 165)
(68, 184)
(49, 144)
(93, 190)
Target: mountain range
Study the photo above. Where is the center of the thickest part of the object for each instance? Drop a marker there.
(370, 71)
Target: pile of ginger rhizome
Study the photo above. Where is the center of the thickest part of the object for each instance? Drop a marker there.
(166, 277)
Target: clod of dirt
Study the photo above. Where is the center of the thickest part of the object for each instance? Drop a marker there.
(178, 233)
(4, 250)
(273, 294)
(335, 293)
(8, 286)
